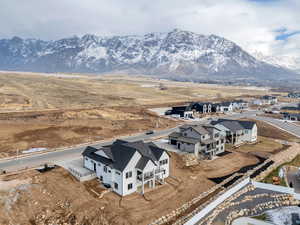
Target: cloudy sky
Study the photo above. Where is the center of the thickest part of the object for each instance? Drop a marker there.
(268, 26)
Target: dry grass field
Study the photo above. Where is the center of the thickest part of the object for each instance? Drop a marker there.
(53, 110)
(39, 92)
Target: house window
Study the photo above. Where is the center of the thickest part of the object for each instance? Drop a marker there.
(222, 147)
(118, 173)
(203, 136)
(86, 158)
(116, 186)
(222, 141)
(105, 169)
(129, 174)
(129, 187)
(99, 164)
(216, 135)
(163, 162)
(109, 171)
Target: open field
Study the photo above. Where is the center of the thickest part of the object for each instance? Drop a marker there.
(56, 197)
(36, 92)
(53, 110)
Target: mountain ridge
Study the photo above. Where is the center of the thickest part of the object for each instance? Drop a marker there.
(176, 54)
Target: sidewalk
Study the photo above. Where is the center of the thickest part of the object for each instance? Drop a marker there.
(247, 220)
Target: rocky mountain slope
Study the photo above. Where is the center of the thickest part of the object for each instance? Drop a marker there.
(288, 62)
(176, 55)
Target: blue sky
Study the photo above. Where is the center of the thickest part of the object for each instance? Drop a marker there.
(268, 26)
(286, 34)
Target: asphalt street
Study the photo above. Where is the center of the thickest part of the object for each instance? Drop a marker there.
(75, 152)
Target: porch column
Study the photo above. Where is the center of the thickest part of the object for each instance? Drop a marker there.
(153, 178)
(142, 182)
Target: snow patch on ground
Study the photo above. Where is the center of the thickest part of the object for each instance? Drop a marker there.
(34, 150)
(283, 216)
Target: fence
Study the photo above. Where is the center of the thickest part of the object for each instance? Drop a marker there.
(276, 188)
(82, 176)
(200, 215)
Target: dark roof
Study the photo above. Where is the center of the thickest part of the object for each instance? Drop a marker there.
(240, 101)
(225, 103)
(175, 134)
(90, 153)
(142, 163)
(247, 124)
(121, 152)
(234, 125)
(143, 149)
(157, 152)
(269, 97)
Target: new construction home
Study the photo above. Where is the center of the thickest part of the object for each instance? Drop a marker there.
(205, 141)
(237, 132)
(128, 167)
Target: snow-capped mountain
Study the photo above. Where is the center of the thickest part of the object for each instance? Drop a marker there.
(285, 61)
(174, 54)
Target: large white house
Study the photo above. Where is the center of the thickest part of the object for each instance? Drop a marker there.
(128, 167)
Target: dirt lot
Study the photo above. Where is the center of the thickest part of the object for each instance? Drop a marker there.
(56, 197)
(59, 128)
(264, 147)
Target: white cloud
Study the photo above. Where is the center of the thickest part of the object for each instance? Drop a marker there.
(251, 24)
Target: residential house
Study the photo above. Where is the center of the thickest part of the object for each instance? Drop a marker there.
(216, 108)
(128, 167)
(240, 104)
(237, 132)
(226, 107)
(257, 102)
(292, 116)
(294, 95)
(205, 141)
(269, 100)
(182, 111)
(201, 107)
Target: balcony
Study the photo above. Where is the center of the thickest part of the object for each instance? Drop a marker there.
(149, 175)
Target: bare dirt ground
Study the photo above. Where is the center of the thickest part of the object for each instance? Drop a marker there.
(264, 147)
(51, 129)
(55, 197)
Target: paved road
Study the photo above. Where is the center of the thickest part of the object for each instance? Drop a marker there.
(287, 126)
(68, 153)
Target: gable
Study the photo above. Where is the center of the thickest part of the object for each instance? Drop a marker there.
(102, 153)
(149, 166)
(131, 164)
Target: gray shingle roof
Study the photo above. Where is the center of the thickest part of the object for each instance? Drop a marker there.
(142, 163)
(121, 152)
(235, 125)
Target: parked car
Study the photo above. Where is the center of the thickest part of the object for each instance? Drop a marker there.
(150, 132)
